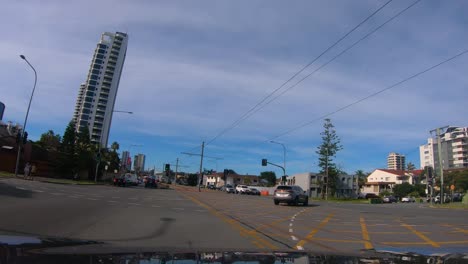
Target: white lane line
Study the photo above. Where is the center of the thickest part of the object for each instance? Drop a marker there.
(155, 206)
(290, 230)
(133, 204)
(300, 248)
(200, 211)
(294, 238)
(178, 208)
(133, 198)
(21, 188)
(92, 199)
(115, 197)
(111, 201)
(290, 224)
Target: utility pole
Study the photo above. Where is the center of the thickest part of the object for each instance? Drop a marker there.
(176, 167)
(201, 165)
(441, 165)
(326, 175)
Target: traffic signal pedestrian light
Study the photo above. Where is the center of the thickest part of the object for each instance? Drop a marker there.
(264, 162)
(167, 167)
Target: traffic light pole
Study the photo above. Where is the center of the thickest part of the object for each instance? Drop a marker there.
(284, 171)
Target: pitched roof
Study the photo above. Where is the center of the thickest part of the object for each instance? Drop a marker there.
(395, 172)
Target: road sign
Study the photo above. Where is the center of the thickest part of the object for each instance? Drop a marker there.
(452, 187)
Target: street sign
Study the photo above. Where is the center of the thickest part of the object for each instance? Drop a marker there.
(452, 187)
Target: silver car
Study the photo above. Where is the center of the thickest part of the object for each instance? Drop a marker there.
(291, 195)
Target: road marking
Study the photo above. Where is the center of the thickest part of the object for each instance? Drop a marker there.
(21, 188)
(155, 206)
(290, 230)
(338, 240)
(56, 193)
(405, 243)
(454, 242)
(178, 208)
(252, 233)
(39, 191)
(133, 204)
(92, 199)
(112, 201)
(313, 232)
(294, 238)
(420, 235)
(365, 233)
(290, 224)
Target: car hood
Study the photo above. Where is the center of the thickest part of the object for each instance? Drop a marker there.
(25, 249)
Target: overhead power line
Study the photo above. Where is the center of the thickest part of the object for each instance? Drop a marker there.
(334, 58)
(371, 95)
(251, 110)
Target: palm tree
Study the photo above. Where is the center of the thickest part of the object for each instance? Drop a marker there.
(115, 146)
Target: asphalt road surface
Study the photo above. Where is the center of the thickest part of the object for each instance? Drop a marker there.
(183, 218)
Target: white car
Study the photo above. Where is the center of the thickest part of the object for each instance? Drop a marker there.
(242, 189)
(131, 179)
(408, 199)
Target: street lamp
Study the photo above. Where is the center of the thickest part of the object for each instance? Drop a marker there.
(99, 146)
(284, 153)
(27, 113)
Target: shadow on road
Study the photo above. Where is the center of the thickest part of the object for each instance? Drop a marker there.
(9, 190)
(163, 228)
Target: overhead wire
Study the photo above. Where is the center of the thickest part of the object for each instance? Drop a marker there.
(246, 114)
(332, 59)
(370, 95)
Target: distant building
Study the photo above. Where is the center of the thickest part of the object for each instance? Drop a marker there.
(454, 146)
(139, 162)
(2, 110)
(314, 184)
(96, 96)
(217, 179)
(396, 161)
(126, 161)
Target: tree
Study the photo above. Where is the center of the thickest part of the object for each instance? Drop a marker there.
(192, 179)
(362, 177)
(115, 146)
(67, 160)
(50, 141)
(402, 190)
(247, 181)
(84, 151)
(269, 176)
(327, 151)
(410, 166)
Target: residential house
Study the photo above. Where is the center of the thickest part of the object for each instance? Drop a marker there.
(313, 184)
(384, 180)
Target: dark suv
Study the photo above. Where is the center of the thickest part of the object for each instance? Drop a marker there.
(291, 195)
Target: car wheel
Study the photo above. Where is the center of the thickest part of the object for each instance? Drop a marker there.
(276, 202)
(306, 203)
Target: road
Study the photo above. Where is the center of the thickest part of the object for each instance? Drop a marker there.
(183, 218)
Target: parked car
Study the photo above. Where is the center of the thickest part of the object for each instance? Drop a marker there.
(211, 187)
(242, 189)
(230, 189)
(408, 199)
(291, 195)
(131, 179)
(120, 181)
(446, 198)
(254, 191)
(150, 182)
(389, 199)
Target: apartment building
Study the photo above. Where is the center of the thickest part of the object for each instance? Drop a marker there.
(396, 161)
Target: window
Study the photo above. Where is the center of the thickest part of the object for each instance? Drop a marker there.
(94, 77)
(100, 56)
(102, 46)
(98, 61)
(101, 51)
(92, 82)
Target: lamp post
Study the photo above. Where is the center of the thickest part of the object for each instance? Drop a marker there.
(284, 154)
(27, 113)
(98, 156)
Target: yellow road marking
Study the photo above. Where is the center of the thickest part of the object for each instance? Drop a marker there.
(420, 235)
(375, 233)
(454, 242)
(338, 240)
(459, 230)
(365, 233)
(314, 231)
(243, 231)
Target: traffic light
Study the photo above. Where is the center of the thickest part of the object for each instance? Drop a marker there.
(264, 162)
(167, 167)
(25, 137)
(18, 137)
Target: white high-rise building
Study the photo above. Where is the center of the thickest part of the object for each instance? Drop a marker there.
(139, 162)
(396, 161)
(454, 146)
(96, 97)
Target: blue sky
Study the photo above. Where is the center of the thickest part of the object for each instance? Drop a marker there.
(194, 67)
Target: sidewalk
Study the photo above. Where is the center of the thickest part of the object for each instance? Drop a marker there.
(52, 180)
